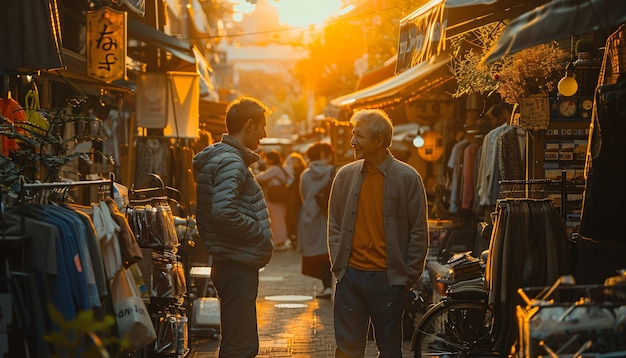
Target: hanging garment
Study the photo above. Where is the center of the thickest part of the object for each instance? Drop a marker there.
(95, 253)
(153, 155)
(69, 288)
(456, 164)
(510, 155)
(605, 192)
(469, 164)
(488, 167)
(106, 228)
(14, 113)
(528, 248)
(152, 223)
(182, 173)
(77, 238)
(129, 249)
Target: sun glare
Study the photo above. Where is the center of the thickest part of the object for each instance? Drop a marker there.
(306, 12)
(297, 13)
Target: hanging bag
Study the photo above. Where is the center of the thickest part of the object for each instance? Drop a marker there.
(132, 317)
(37, 122)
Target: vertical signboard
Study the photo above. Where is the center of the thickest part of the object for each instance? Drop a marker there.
(169, 101)
(422, 35)
(183, 116)
(152, 99)
(106, 44)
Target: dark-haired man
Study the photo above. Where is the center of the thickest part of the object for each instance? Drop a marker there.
(234, 224)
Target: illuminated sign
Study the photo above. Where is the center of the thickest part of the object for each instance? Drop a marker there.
(106, 44)
(422, 35)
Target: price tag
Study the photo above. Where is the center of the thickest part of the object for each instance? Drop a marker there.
(534, 112)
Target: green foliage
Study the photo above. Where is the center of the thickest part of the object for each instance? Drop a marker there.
(468, 50)
(45, 151)
(79, 337)
(370, 31)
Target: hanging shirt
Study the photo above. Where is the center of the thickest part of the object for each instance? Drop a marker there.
(455, 163)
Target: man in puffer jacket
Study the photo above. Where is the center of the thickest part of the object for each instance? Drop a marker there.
(233, 223)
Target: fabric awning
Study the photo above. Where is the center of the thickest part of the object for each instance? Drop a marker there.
(466, 15)
(142, 32)
(31, 36)
(181, 49)
(374, 76)
(557, 20)
(424, 32)
(391, 88)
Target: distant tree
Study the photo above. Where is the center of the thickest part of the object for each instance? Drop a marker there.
(281, 91)
(370, 31)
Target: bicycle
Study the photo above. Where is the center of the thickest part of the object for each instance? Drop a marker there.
(459, 325)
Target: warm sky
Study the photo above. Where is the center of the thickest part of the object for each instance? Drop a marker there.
(298, 13)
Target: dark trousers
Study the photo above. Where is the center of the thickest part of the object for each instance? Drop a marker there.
(237, 287)
(318, 267)
(362, 296)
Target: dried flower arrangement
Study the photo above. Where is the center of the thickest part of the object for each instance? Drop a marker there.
(531, 71)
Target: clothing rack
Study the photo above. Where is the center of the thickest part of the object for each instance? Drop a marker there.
(162, 192)
(165, 253)
(534, 189)
(23, 186)
(524, 189)
(14, 260)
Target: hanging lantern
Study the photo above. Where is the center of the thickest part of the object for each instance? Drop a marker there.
(432, 149)
(567, 85)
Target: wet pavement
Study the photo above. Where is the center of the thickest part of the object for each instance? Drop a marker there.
(292, 322)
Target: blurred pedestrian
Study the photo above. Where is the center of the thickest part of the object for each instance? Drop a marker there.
(261, 164)
(377, 237)
(275, 175)
(295, 165)
(312, 226)
(233, 223)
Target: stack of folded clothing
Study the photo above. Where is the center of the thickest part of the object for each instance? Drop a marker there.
(462, 267)
(473, 285)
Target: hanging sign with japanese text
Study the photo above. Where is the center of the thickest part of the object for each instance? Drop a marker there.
(422, 35)
(106, 44)
(534, 112)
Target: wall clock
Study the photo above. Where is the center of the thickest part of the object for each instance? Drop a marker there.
(586, 107)
(567, 107)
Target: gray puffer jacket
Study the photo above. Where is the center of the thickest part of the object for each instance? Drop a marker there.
(231, 212)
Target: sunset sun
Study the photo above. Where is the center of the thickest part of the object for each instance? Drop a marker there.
(305, 12)
(293, 13)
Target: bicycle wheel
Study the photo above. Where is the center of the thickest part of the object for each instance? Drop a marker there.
(454, 329)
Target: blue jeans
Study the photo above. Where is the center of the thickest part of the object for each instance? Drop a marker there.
(237, 287)
(362, 296)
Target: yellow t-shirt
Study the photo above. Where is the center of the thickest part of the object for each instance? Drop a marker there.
(368, 244)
